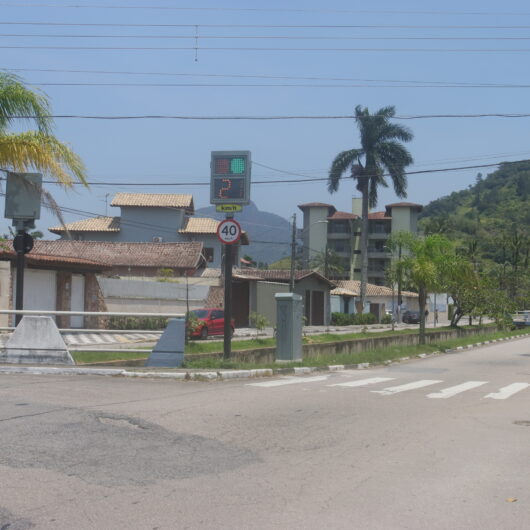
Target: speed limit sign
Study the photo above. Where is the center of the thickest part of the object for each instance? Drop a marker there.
(229, 231)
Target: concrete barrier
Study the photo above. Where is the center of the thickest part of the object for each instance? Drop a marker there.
(36, 340)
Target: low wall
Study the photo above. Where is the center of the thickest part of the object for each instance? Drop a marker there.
(374, 343)
(330, 349)
(148, 296)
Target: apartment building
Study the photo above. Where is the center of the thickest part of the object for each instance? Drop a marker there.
(340, 232)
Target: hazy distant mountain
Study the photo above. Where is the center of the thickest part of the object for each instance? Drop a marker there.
(270, 234)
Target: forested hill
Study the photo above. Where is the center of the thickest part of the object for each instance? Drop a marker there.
(497, 203)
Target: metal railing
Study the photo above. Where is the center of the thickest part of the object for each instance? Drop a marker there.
(88, 313)
(43, 312)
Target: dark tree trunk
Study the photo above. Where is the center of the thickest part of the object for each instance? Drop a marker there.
(422, 300)
(363, 187)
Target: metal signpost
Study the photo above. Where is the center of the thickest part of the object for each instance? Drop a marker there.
(23, 196)
(229, 190)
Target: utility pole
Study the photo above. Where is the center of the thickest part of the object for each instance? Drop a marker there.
(293, 255)
(227, 339)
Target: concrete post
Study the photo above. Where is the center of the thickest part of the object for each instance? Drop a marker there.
(169, 350)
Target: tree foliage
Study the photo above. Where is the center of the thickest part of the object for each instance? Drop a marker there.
(381, 154)
(35, 149)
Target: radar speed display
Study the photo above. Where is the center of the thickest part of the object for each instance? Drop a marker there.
(230, 177)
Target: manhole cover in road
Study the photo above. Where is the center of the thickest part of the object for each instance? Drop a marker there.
(524, 423)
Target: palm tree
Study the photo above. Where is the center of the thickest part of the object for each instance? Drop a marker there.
(327, 263)
(36, 149)
(381, 154)
(424, 264)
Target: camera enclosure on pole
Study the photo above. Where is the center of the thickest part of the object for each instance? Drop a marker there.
(230, 177)
(23, 197)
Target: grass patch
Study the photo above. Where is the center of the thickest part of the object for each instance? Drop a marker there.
(377, 356)
(372, 356)
(206, 346)
(82, 357)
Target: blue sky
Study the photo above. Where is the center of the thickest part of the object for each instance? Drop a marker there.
(178, 151)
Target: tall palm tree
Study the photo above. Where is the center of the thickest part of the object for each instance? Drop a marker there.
(381, 154)
(35, 149)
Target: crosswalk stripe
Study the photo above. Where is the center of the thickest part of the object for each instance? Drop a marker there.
(403, 388)
(508, 391)
(453, 390)
(365, 382)
(290, 381)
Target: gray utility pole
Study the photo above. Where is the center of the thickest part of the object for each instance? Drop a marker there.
(293, 255)
(23, 195)
(227, 339)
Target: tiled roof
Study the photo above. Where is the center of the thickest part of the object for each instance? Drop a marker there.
(93, 224)
(405, 205)
(157, 200)
(215, 297)
(173, 255)
(33, 258)
(281, 275)
(342, 215)
(314, 205)
(340, 291)
(378, 215)
(210, 273)
(200, 225)
(354, 286)
(206, 225)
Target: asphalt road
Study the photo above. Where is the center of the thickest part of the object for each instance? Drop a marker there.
(436, 443)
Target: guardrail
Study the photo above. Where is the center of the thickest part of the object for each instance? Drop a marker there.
(91, 314)
(88, 313)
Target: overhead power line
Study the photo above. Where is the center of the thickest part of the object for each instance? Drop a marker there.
(267, 9)
(263, 118)
(261, 76)
(268, 49)
(271, 85)
(254, 37)
(304, 178)
(267, 26)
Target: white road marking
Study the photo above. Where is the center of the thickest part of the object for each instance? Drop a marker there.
(365, 382)
(508, 391)
(453, 390)
(403, 388)
(290, 381)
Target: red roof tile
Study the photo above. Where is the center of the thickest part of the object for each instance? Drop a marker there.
(33, 258)
(179, 255)
(315, 204)
(342, 215)
(378, 215)
(281, 275)
(405, 205)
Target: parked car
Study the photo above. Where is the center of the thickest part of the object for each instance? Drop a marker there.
(411, 317)
(211, 321)
(521, 319)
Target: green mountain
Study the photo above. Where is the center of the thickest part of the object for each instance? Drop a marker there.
(493, 215)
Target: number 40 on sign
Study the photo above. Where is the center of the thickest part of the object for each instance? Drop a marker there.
(229, 231)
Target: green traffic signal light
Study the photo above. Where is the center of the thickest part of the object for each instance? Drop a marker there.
(237, 166)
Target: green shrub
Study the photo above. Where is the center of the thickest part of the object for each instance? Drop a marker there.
(135, 323)
(341, 319)
(359, 319)
(364, 318)
(387, 319)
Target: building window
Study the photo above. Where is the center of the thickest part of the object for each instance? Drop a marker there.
(208, 254)
(339, 227)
